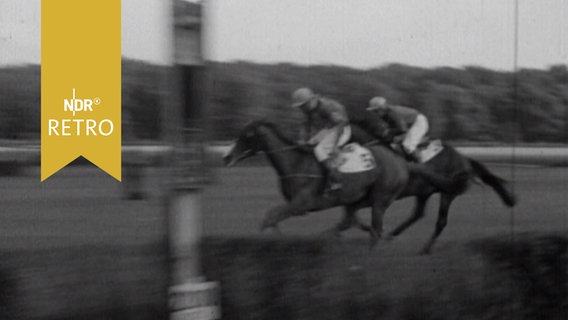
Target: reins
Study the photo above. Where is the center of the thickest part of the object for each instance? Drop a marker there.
(301, 175)
(305, 175)
(372, 143)
(282, 149)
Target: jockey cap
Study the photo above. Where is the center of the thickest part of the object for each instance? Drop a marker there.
(302, 96)
(377, 103)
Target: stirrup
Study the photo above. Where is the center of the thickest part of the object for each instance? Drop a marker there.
(335, 186)
(412, 157)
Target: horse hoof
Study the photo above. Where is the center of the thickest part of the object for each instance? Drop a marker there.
(389, 237)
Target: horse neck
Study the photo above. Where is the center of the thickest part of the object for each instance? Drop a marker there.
(281, 153)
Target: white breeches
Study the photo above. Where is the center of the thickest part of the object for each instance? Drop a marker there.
(415, 134)
(325, 140)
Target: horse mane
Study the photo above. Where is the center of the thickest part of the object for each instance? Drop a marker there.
(276, 130)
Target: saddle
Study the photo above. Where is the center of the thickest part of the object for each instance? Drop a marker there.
(354, 158)
(425, 151)
(353, 168)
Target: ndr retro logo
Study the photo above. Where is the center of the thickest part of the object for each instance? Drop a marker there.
(82, 126)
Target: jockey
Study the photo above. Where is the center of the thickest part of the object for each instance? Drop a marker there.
(404, 120)
(327, 127)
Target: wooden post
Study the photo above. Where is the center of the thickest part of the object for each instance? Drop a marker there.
(191, 297)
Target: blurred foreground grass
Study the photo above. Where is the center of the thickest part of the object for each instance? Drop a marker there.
(491, 278)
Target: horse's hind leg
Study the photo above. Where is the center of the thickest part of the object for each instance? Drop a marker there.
(278, 214)
(378, 210)
(417, 214)
(445, 202)
(348, 220)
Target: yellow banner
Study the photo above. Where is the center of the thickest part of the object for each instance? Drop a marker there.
(80, 84)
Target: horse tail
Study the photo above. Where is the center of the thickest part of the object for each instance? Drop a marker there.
(498, 184)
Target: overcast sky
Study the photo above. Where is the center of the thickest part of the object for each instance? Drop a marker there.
(368, 33)
(357, 33)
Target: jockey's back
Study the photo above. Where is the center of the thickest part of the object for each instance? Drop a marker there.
(406, 115)
(328, 114)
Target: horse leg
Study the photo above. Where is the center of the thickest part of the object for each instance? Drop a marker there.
(364, 227)
(278, 214)
(377, 213)
(417, 214)
(298, 206)
(445, 202)
(348, 220)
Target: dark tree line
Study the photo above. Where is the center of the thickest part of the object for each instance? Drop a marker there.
(469, 104)
(466, 104)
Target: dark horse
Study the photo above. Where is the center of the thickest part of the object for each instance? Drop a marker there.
(456, 169)
(303, 179)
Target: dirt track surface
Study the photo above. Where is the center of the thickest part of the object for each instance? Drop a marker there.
(82, 205)
(474, 272)
(77, 206)
(236, 205)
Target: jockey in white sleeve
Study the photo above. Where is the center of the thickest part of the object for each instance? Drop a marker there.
(410, 122)
(327, 126)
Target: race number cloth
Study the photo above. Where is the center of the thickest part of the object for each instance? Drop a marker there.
(355, 158)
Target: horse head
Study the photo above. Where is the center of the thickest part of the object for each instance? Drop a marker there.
(247, 144)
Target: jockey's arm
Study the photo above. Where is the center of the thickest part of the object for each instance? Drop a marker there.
(397, 124)
(306, 130)
(304, 135)
(339, 118)
(340, 129)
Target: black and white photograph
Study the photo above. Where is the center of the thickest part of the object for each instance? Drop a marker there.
(322, 159)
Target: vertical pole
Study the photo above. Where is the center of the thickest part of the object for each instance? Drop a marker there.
(191, 297)
(185, 234)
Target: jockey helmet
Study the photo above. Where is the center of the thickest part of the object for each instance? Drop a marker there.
(302, 96)
(377, 103)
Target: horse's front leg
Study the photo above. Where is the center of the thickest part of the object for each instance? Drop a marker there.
(380, 205)
(445, 202)
(348, 220)
(281, 213)
(298, 206)
(417, 214)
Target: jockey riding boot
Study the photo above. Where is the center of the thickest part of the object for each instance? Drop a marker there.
(399, 150)
(412, 156)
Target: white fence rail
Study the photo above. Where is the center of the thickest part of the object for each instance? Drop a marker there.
(545, 156)
(155, 154)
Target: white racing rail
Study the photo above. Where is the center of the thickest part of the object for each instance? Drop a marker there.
(157, 154)
(544, 156)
